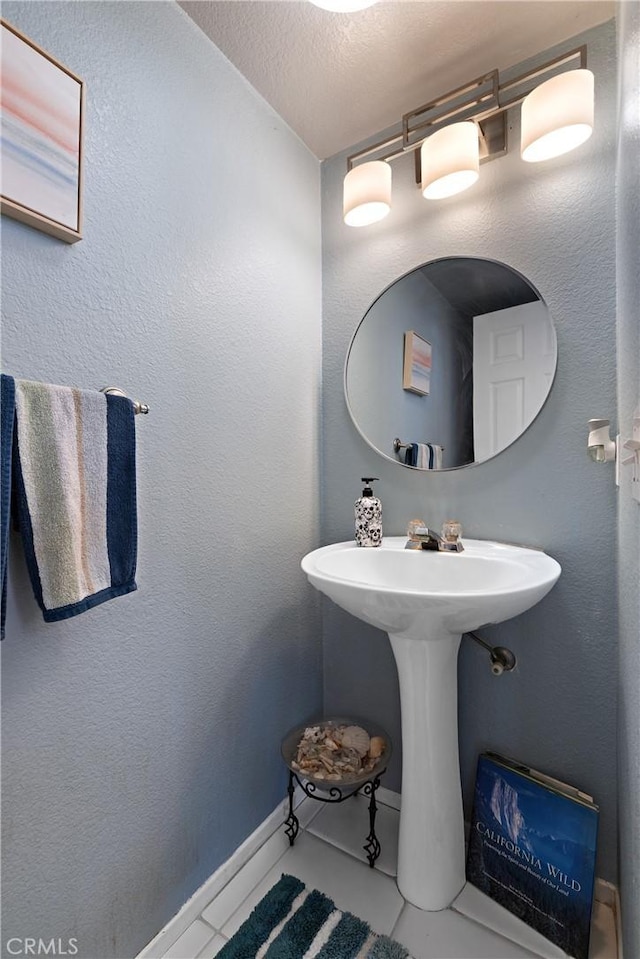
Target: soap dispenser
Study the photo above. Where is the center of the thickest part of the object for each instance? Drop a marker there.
(368, 512)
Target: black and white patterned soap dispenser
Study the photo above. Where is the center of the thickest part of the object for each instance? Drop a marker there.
(368, 511)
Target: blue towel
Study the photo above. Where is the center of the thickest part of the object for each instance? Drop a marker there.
(7, 415)
(411, 455)
(73, 469)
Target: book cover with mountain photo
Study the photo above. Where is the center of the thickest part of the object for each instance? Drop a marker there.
(532, 848)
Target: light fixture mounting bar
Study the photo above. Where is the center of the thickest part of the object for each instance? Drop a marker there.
(481, 100)
(376, 148)
(546, 71)
(477, 98)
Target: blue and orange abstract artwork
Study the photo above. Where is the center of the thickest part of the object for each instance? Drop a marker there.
(41, 130)
(417, 364)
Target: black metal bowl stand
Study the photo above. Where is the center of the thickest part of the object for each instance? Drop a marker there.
(335, 794)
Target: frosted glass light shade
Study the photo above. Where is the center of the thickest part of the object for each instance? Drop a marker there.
(343, 6)
(367, 193)
(557, 116)
(450, 160)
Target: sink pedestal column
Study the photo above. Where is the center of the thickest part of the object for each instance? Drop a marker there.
(431, 859)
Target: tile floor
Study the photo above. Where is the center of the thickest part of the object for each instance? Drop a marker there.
(327, 855)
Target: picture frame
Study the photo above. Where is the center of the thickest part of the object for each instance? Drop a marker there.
(416, 376)
(42, 130)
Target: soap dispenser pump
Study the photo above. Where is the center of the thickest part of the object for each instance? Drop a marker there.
(368, 512)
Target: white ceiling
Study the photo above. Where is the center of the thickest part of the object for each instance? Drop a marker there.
(337, 79)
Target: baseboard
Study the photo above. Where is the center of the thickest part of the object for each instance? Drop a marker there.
(605, 892)
(216, 882)
(608, 894)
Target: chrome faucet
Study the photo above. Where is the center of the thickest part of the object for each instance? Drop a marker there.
(422, 536)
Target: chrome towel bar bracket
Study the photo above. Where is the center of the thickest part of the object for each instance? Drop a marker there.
(115, 391)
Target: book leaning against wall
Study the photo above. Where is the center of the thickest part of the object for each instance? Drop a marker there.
(532, 848)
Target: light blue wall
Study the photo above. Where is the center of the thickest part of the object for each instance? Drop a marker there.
(380, 405)
(141, 740)
(628, 238)
(555, 224)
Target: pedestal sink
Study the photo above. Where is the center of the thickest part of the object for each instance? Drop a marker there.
(425, 601)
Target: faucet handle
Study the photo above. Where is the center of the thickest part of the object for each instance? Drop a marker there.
(417, 529)
(451, 530)
(451, 533)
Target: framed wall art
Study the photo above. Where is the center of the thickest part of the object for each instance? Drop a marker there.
(42, 116)
(417, 364)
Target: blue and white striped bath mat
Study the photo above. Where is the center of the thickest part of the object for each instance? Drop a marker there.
(293, 922)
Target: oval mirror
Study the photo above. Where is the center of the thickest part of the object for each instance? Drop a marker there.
(450, 364)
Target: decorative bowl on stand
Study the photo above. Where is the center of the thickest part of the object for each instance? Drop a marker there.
(336, 790)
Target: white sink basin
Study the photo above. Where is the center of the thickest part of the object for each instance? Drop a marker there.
(393, 588)
(425, 601)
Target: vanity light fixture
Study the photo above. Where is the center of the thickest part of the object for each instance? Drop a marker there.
(367, 193)
(450, 160)
(451, 135)
(557, 116)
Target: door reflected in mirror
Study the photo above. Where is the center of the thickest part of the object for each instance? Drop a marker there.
(489, 362)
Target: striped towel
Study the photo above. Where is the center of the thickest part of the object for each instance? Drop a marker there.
(74, 471)
(433, 456)
(424, 456)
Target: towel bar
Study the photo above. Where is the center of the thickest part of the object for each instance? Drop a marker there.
(137, 407)
(399, 445)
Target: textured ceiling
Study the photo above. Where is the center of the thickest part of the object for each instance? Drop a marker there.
(473, 286)
(339, 78)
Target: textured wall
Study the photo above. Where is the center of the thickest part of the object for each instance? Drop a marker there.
(554, 223)
(141, 740)
(628, 285)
